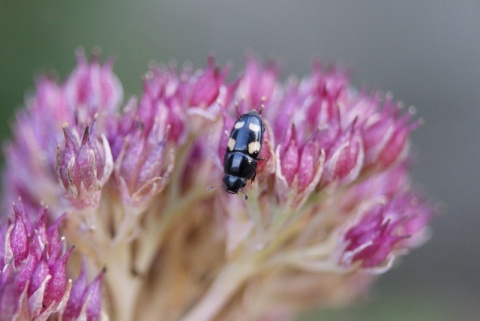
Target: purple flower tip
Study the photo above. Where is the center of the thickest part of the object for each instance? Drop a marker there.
(92, 88)
(58, 283)
(85, 302)
(83, 165)
(384, 230)
(33, 279)
(18, 240)
(345, 157)
(289, 157)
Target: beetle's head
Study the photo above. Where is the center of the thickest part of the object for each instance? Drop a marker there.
(234, 183)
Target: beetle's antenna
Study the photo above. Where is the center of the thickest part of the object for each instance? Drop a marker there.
(212, 187)
(246, 197)
(262, 106)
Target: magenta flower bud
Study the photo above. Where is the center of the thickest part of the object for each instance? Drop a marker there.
(287, 157)
(40, 276)
(310, 169)
(414, 215)
(298, 168)
(385, 138)
(176, 129)
(41, 229)
(326, 117)
(74, 304)
(85, 302)
(55, 241)
(58, 283)
(93, 296)
(18, 239)
(83, 167)
(9, 295)
(206, 87)
(50, 106)
(26, 271)
(375, 239)
(3, 234)
(223, 135)
(300, 162)
(345, 157)
(329, 82)
(35, 285)
(257, 85)
(91, 93)
(92, 88)
(143, 163)
(162, 103)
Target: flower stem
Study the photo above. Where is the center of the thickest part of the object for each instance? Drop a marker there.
(154, 233)
(124, 287)
(225, 285)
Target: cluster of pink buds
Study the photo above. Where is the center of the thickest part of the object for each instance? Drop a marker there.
(331, 203)
(33, 273)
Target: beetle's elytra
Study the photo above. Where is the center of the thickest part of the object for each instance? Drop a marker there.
(243, 148)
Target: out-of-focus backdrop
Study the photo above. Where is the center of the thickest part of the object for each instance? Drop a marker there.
(427, 53)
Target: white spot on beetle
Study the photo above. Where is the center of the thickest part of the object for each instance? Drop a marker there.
(253, 147)
(239, 124)
(231, 143)
(254, 127)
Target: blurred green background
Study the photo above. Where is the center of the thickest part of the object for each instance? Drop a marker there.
(427, 53)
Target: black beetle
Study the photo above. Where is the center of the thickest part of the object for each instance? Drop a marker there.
(243, 148)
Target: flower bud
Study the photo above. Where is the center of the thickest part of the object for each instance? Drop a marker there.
(92, 89)
(206, 86)
(33, 284)
(383, 230)
(143, 164)
(9, 295)
(85, 302)
(18, 239)
(83, 167)
(299, 169)
(385, 137)
(311, 165)
(157, 106)
(288, 157)
(345, 157)
(257, 85)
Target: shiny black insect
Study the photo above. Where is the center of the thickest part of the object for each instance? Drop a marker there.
(243, 148)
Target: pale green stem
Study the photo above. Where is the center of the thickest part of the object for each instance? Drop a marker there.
(255, 214)
(280, 217)
(314, 253)
(151, 237)
(127, 225)
(116, 257)
(231, 278)
(225, 285)
(124, 287)
(154, 233)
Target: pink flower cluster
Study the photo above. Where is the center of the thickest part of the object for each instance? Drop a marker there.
(33, 278)
(332, 193)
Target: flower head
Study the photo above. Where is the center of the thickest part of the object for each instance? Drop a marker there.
(83, 166)
(33, 268)
(85, 300)
(330, 205)
(383, 230)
